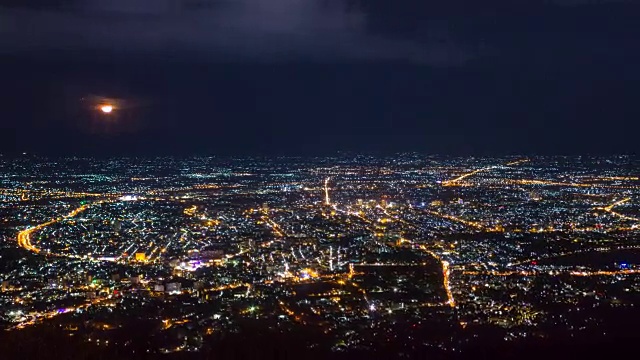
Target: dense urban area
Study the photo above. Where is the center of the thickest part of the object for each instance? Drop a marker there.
(350, 254)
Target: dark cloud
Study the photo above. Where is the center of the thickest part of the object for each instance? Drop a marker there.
(501, 75)
(257, 29)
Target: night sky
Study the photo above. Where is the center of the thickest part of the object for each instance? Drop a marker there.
(300, 77)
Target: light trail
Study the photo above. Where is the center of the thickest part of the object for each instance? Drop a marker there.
(133, 253)
(153, 251)
(326, 192)
(445, 273)
(40, 316)
(24, 236)
(51, 194)
(446, 276)
(609, 209)
(388, 264)
(163, 249)
(126, 251)
(275, 227)
(227, 287)
(557, 183)
(286, 309)
(604, 272)
(568, 253)
(398, 218)
(517, 162)
(473, 224)
(191, 211)
(555, 273)
(614, 178)
(617, 203)
(454, 181)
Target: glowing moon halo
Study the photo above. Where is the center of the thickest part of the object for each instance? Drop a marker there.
(106, 108)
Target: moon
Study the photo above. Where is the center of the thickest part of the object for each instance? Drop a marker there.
(106, 108)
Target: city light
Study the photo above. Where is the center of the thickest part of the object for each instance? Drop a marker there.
(210, 246)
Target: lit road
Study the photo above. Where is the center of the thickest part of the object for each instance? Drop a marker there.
(446, 272)
(562, 184)
(554, 256)
(455, 181)
(555, 273)
(24, 237)
(609, 209)
(517, 162)
(326, 192)
(472, 224)
(28, 194)
(275, 227)
(37, 317)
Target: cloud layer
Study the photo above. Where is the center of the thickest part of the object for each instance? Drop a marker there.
(255, 29)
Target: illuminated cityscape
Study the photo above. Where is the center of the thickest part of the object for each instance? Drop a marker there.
(350, 253)
(319, 179)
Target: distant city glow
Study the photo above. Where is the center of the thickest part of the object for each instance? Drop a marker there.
(389, 249)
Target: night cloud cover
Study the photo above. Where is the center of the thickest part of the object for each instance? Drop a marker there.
(253, 29)
(554, 76)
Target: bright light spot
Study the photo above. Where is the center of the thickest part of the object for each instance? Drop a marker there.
(372, 307)
(106, 108)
